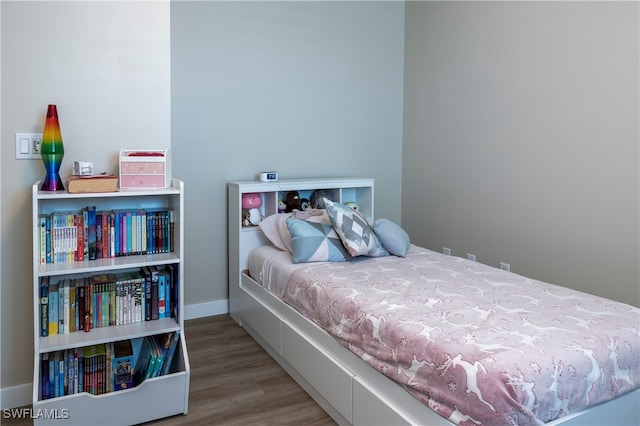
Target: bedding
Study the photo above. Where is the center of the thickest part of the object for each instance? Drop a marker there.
(476, 344)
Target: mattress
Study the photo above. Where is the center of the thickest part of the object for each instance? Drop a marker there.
(476, 344)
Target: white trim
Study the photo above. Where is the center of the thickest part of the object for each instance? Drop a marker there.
(15, 396)
(207, 309)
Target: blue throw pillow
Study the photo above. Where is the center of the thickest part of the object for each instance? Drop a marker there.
(315, 242)
(393, 237)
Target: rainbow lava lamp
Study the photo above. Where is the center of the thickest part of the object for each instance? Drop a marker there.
(52, 151)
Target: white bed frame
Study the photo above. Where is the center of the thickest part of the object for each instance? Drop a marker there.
(346, 387)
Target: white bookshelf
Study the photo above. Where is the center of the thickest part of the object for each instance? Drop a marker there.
(153, 398)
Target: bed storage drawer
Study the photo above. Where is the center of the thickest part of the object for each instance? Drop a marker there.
(262, 320)
(329, 378)
(371, 410)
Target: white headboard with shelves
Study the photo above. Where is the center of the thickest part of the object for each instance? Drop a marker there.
(243, 239)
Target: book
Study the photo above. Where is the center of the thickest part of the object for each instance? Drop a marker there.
(56, 375)
(104, 182)
(48, 240)
(80, 303)
(81, 231)
(44, 376)
(108, 367)
(52, 375)
(72, 325)
(43, 237)
(138, 291)
(146, 361)
(162, 342)
(91, 226)
(174, 290)
(146, 273)
(79, 355)
(63, 235)
(53, 308)
(64, 325)
(163, 285)
(100, 371)
(122, 365)
(61, 307)
(175, 338)
(98, 235)
(44, 306)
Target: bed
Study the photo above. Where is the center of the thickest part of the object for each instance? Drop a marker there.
(476, 345)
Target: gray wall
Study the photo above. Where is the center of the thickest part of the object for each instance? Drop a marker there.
(309, 89)
(521, 141)
(106, 65)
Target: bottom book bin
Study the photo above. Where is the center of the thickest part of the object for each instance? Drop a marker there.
(152, 399)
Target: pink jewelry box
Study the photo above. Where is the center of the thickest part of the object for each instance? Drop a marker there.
(145, 169)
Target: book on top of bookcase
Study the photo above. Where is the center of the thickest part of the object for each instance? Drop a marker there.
(104, 182)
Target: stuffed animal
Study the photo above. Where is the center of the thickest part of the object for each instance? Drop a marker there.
(251, 203)
(245, 217)
(293, 201)
(281, 206)
(304, 204)
(316, 201)
(251, 217)
(251, 200)
(351, 204)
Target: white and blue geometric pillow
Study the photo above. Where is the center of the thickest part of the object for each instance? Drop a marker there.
(354, 231)
(315, 242)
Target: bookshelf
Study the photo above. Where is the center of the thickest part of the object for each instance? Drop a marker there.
(243, 239)
(153, 398)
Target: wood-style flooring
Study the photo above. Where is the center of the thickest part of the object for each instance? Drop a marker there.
(235, 382)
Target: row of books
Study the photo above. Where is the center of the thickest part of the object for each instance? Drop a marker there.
(90, 234)
(106, 367)
(82, 303)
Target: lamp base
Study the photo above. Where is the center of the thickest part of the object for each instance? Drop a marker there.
(52, 182)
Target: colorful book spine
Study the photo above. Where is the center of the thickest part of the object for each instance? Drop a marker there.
(92, 232)
(81, 231)
(166, 369)
(53, 308)
(48, 240)
(61, 307)
(98, 235)
(42, 222)
(44, 306)
(44, 377)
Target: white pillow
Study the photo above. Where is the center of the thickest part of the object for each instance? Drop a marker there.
(275, 229)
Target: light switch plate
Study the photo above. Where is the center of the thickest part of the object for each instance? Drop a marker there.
(28, 146)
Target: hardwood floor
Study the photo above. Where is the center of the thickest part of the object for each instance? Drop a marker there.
(235, 382)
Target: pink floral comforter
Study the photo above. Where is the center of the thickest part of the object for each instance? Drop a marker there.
(477, 344)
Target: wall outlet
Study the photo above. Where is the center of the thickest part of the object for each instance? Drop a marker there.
(446, 251)
(471, 256)
(28, 146)
(505, 266)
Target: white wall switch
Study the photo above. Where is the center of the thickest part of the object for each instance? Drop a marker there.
(28, 146)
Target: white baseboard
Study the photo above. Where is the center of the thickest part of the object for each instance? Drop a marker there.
(15, 396)
(208, 309)
(19, 396)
